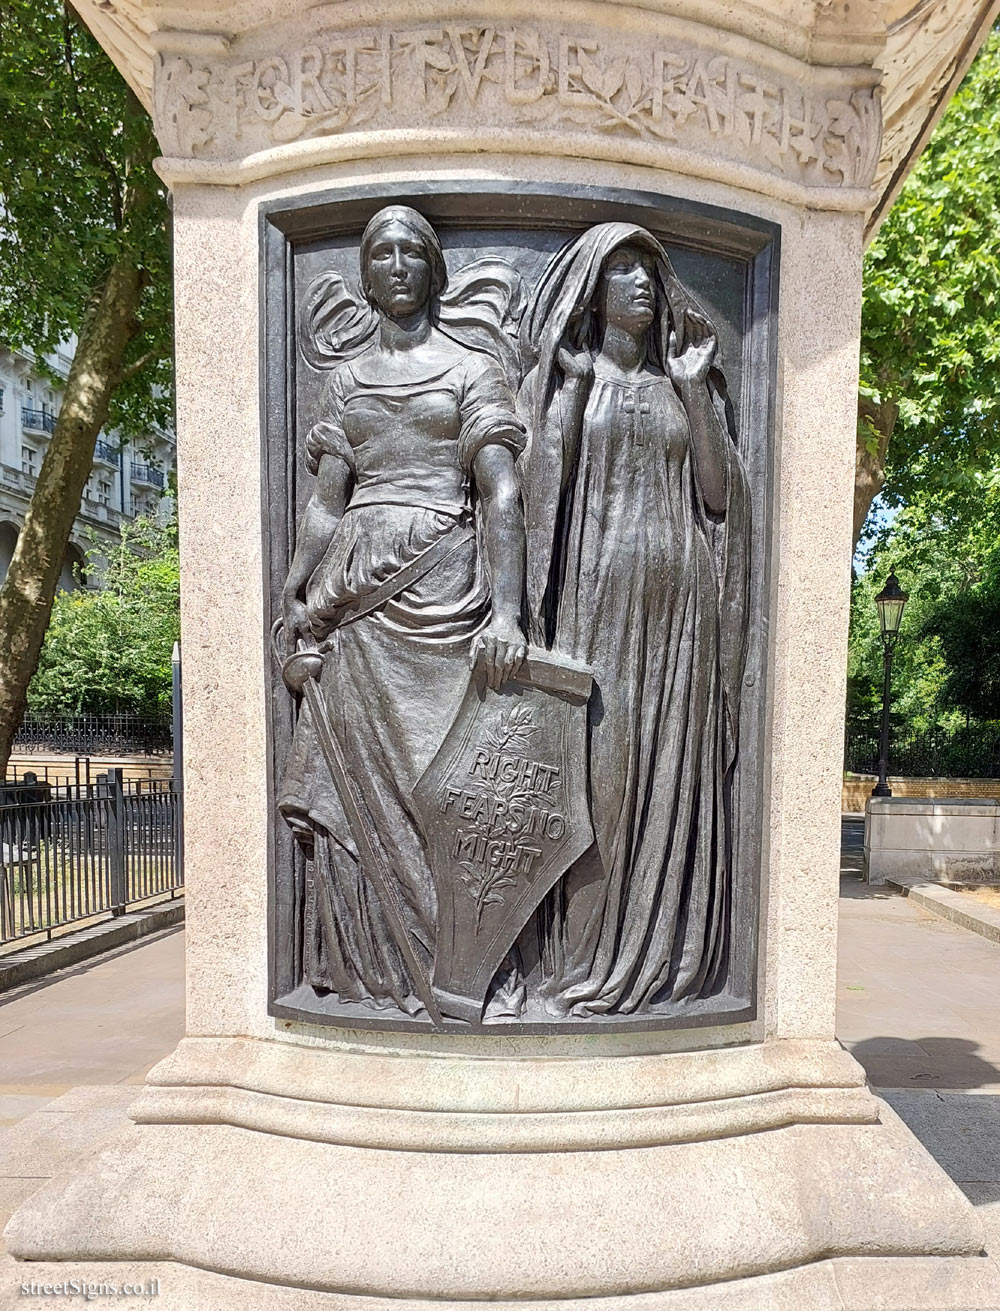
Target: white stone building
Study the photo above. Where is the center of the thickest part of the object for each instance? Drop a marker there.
(129, 478)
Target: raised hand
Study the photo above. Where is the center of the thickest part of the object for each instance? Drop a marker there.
(691, 365)
(576, 365)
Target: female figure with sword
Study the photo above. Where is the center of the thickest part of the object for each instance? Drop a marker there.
(409, 559)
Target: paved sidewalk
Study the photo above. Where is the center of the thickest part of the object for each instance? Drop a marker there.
(916, 995)
(917, 1005)
(105, 1021)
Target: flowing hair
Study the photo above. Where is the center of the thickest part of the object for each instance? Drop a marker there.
(479, 307)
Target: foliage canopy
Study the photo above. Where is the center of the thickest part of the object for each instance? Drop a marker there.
(930, 349)
(930, 380)
(110, 650)
(75, 149)
(947, 661)
(84, 252)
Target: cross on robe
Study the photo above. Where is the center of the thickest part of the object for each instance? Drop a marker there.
(637, 430)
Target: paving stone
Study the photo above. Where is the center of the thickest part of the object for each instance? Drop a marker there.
(104, 1021)
(960, 1130)
(15, 1106)
(89, 1097)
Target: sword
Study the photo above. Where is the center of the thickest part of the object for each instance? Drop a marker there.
(301, 673)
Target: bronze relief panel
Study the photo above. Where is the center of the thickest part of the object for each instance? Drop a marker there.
(517, 452)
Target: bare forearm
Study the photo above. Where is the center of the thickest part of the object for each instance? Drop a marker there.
(501, 643)
(503, 530)
(319, 521)
(313, 538)
(711, 445)
(505, 554)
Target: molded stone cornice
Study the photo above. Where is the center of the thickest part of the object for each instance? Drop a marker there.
(786, 98)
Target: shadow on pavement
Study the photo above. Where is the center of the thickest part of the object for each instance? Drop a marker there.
(852, 888)
(962, 1132)
(924, 1063)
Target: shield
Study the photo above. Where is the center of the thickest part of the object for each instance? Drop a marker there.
(504, 812)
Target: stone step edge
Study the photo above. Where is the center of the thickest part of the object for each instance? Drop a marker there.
(45, 958)
(950, 905)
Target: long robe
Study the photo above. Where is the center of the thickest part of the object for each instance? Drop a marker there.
(393, 680)
(629, 572)
(638, 601)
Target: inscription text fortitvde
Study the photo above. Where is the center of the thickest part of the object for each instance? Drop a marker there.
(657, 90)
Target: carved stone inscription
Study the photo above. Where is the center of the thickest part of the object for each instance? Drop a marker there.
(512, 634)
(456, 75)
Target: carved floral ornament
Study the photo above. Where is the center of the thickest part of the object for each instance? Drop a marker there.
(458, 77)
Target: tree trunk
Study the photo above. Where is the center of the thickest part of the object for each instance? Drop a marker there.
(876, 421)
(29, 589)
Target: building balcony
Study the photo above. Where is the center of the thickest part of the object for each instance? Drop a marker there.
(105, 453)
(38, 420)
(144, 473)
(16, 480)
(100, 513)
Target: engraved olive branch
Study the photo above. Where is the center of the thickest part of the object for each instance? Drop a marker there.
(522, 796)
(484, 887)
(515, 728)
(512, 733)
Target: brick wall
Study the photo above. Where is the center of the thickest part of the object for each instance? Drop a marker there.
(857, 789)
(62, 768)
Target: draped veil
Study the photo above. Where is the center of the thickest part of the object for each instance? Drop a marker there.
(563, 313)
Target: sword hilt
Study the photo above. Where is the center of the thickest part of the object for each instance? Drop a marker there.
(299, 668)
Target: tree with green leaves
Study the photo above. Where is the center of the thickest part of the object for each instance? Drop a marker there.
(109, 650)
(84, 253)
(947, 662)
(919, 670)
(929, 405)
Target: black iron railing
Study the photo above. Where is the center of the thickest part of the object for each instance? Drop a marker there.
(145, 473)
(96, 735)
(105, 451)
(972, 752)
(85, 852)
(38, 420)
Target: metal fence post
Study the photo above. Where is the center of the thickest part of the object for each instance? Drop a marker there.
(116, 842)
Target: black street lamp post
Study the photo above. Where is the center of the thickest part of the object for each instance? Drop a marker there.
(890, 602)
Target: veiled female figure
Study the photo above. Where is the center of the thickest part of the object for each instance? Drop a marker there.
(409, 554)
(637, 517)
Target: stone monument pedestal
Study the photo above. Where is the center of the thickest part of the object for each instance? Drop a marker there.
(760, 1176)
(279, 1160)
